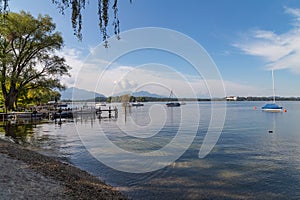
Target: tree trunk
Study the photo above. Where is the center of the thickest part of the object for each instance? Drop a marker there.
(9, 100)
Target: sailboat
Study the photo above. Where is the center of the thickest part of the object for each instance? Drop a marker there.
(137, 104)
(172, 104)
(272, 107)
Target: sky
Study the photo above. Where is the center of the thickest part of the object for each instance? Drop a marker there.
(241, 42)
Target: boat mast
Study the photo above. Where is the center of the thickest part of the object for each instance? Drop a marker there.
(171, 94)
(273, 86)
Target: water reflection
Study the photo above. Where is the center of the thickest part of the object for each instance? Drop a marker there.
(248, 162)
(18, 132)
(46, 137)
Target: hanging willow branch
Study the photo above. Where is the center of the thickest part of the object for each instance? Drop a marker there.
(76, 19)
(4, 7)
(103, 15)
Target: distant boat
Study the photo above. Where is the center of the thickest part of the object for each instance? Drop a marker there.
(172, 104)
(272, 107)
(137, 104)
(63, 114)
(98, 105)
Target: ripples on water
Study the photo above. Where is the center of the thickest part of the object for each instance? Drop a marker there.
(248, 162)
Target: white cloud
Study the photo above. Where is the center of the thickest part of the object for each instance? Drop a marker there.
(154, 78)
(237, 89)
(280, 51)
(126, 84)
(295, 12)
(126, 79)
(131, 79)
(74, 59)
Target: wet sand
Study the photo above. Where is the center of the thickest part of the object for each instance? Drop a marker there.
(26, 174)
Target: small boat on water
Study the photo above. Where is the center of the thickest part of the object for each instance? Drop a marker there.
(137, 104)
(172, 104)
(99, 105)
(272, 107)
(63, 114)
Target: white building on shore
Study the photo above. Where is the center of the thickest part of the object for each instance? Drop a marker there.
(231, 98)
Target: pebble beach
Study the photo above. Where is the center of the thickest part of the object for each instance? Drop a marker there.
(26, 174)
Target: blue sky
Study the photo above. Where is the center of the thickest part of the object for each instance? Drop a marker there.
(245, 39)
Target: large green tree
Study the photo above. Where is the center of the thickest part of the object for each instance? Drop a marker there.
(27, 55)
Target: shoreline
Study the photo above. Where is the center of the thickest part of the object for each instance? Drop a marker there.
(25, 173)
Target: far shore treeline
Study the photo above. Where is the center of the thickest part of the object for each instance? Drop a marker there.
(118, 99)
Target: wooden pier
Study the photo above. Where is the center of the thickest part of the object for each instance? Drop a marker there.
(109, 110)
(21, 115)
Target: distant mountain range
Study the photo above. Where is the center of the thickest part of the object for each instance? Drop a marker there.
(146, 94)
(140, 94)
(73, 93)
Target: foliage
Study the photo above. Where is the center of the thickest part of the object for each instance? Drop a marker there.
(139, 99)
(125, 98)
(76, 19)
(100, 99)
(27, 55)
(38, 96)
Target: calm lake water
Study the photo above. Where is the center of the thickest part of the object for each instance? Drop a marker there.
(256, 157)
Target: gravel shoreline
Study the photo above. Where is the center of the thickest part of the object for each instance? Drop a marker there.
(26, 174)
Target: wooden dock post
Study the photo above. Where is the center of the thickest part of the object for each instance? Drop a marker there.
(116, 112)
(112, 112)
(109, 112)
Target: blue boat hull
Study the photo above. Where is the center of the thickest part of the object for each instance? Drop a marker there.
(272, 107)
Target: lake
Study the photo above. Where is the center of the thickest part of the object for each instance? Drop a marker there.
(257, 155)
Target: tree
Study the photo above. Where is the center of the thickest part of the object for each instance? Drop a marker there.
(77, 6)
(27, 55)
(38, 96)
(140, 99)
